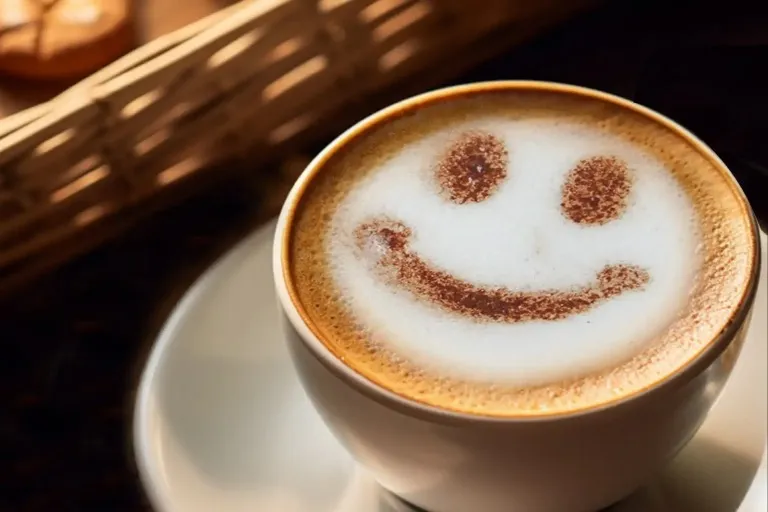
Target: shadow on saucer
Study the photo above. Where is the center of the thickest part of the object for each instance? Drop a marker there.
(705, 477)
(392, 503)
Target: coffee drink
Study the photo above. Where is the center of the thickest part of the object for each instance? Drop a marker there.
(518, 252)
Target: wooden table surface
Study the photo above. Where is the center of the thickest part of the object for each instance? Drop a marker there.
(154, 18)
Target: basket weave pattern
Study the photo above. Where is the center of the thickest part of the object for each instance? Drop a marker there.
(255, 79)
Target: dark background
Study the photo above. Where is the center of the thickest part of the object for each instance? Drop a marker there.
(74, 341)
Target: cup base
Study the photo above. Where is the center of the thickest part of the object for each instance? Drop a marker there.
(397, 504)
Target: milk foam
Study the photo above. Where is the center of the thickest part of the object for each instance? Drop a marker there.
(518, 238)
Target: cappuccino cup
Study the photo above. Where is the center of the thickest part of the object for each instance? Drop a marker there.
(515, 295)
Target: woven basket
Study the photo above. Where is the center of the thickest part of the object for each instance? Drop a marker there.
(251, 83)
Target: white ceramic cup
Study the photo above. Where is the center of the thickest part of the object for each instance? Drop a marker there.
(444, 461)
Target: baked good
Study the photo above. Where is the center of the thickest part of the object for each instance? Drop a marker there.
(57, 39)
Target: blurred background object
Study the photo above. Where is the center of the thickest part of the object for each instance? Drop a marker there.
(147, 20)
(75, 338)
(60, 39)
(254, 83)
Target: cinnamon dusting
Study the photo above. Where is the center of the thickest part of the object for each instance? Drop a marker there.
(472, 168)
(387, 242)
(596, 190)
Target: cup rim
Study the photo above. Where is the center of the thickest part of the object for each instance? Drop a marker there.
(310, 338)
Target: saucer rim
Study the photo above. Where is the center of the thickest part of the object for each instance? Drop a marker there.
(161, 338)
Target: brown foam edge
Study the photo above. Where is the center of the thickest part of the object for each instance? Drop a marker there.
(693, 364)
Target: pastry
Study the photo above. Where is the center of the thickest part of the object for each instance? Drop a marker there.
(57, 39)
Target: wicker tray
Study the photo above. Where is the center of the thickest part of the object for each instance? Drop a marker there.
(250, 84)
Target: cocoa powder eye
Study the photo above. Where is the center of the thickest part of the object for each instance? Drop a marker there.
(596, 190)
(472, 167)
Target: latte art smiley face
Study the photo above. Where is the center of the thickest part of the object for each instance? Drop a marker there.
(517, 253)
(515, 250)
(595, 192)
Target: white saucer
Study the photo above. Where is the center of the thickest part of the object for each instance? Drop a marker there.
(222, 424)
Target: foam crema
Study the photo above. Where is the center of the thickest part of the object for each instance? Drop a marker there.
(519, 252)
